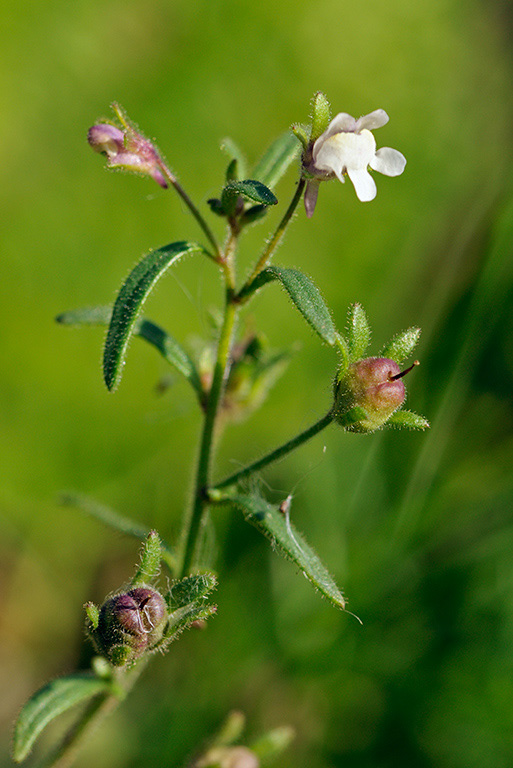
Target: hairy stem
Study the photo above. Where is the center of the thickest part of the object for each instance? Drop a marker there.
(194, 523)
(278, 453)
(277, 237)
(218, 256)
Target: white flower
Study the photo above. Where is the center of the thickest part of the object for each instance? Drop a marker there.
(347, 147)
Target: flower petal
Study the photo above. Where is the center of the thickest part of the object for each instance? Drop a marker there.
(364, 184)
(373, 120)
(311, 192)
(341, 123)
(388, 161)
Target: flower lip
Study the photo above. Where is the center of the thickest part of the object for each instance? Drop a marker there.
(347, 147)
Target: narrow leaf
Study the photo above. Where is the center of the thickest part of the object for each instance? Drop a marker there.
(277, 527)
(190, 590)
(408, 419)
(130, 299)
(235, 153)
(50, 701)
(305, 295)
(358, 332)
(249, 189)
(116, 521)
(169, 348)
(401, 345)
(277, 159)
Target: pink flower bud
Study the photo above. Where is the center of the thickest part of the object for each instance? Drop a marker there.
(127, 149)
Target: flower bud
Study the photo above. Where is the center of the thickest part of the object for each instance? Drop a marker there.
(368, 393)
(127, 149)
(129, 624)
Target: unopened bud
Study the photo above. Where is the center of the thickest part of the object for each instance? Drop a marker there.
(130, 623)
(368, 393)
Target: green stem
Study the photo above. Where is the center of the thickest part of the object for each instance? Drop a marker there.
(194, 523)
(276, 238)
(278, 452)
(218, 257)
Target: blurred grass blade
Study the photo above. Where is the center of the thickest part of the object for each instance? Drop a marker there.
(305, 295)
(277, 159)
(50, 701)
(277, 527)
(401, 346)
(116, 521)
(169, 348)
(130, 299)
(233, 151)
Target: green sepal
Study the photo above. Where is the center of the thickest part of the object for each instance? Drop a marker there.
(270, 746)
(190, 589)
(248, 189)
(235, 153)
(304, 294)
(276, 160)
(343, 350)
(408, 419)
(50, 701)
(169, 348)
(93, 614)
(302, 133)
(276, 526)
(351, 417)
(131, 297)
(358, 332)
(321, 115)
(401, 346)
(231, 730)
(114, 520)
(149, 564)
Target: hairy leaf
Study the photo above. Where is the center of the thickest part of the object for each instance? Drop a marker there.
(130, 299)
(276, 525)
(169, 348)
(50, 701)
(305, 295)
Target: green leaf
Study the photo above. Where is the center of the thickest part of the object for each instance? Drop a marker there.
(277, 527)
(402, 345)
(169, 348)
(235, 153)
(277, 159)
(249, 189)
(408, 419)
(270, 746)
(116, 521)
(190, 590)
(130, 299)
(305, 295)
(50, 701)
(358, 332)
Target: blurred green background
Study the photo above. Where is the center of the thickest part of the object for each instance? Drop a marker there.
(417, 528)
